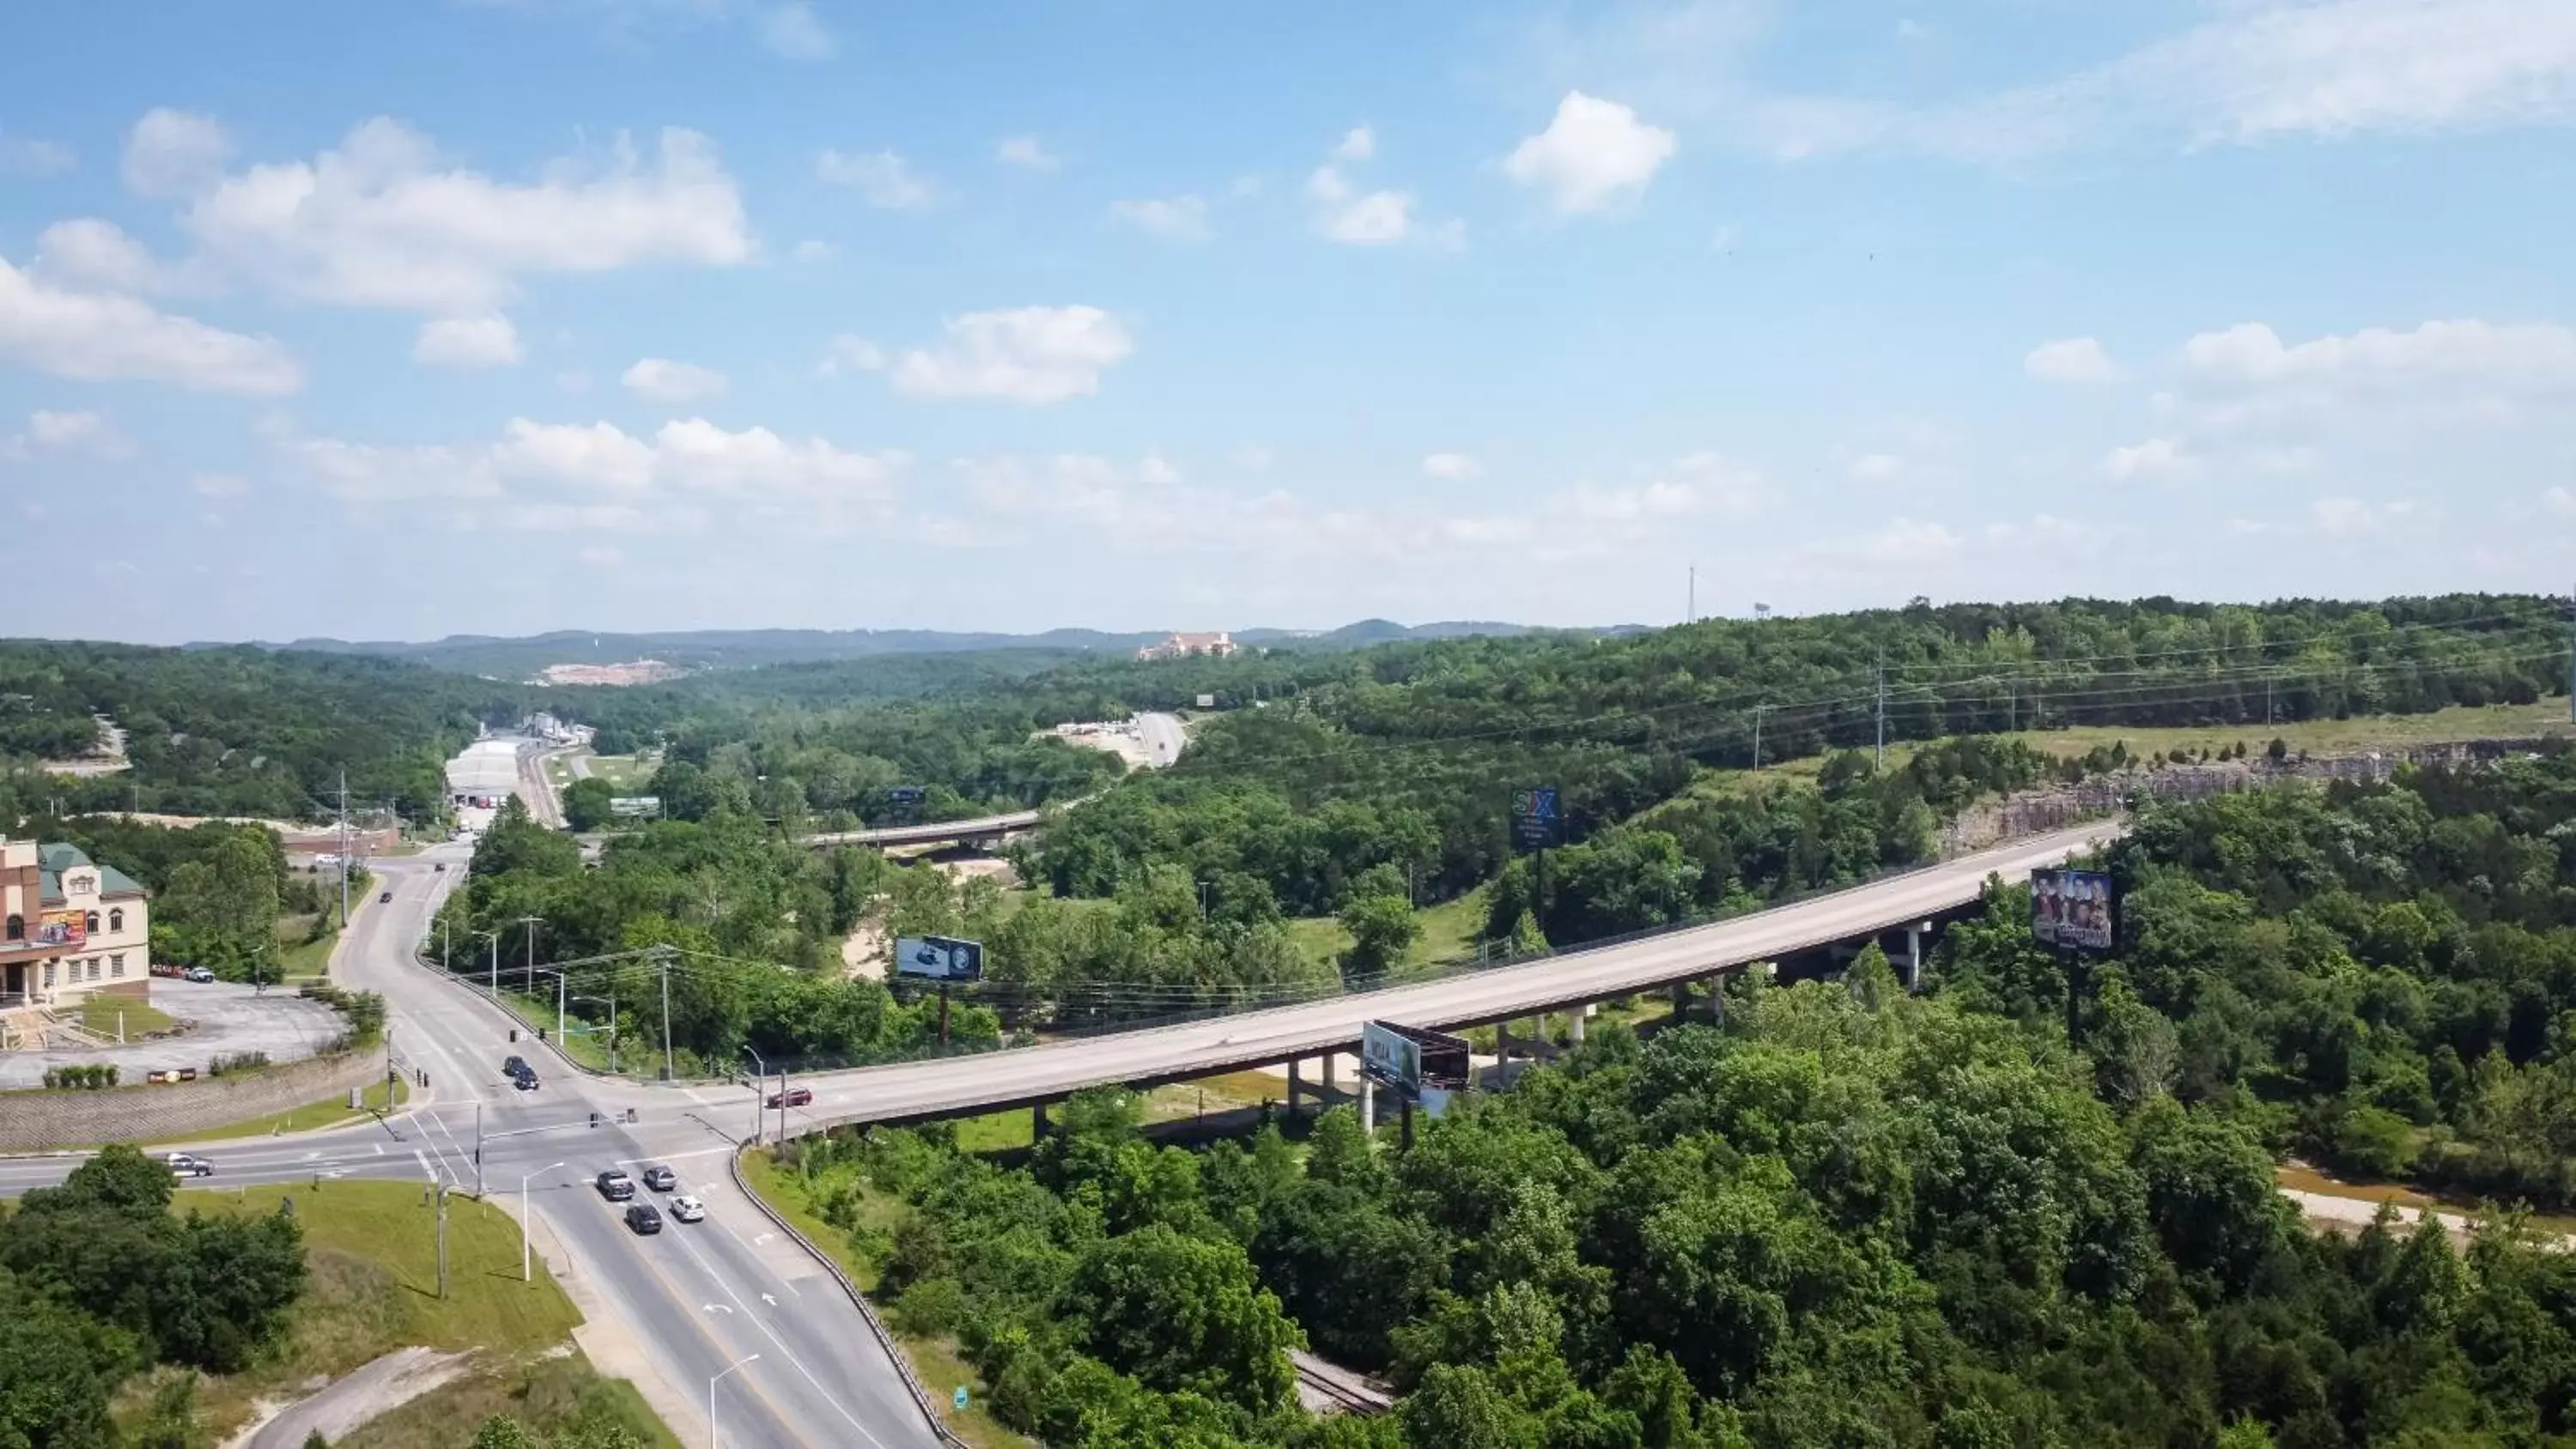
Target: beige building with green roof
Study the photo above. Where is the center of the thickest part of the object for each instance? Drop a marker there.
(68, 926)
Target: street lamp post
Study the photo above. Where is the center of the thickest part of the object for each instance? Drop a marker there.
(495, 938)
(527, 1262)
(755, 1092)
(711, 1395)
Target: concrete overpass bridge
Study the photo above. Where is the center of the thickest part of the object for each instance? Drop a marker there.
(982, 828)
(1906, 908)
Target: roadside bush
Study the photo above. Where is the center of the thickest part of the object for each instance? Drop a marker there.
(225, 1064)
(80, 1077)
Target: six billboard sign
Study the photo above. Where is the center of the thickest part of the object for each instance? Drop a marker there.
(2074, 910)
(908, 796)
(634, 806)
(1536, 824)
(939, 958)
(1408, 1059)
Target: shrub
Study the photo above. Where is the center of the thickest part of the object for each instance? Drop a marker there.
(234, 1063)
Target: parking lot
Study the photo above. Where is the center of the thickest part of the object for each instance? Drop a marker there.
(228, 1018)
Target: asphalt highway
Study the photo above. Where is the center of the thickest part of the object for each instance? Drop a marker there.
(693, 1299)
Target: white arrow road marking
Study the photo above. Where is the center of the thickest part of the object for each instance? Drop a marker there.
(761, 1238)
(765, 1298)
(717, 1308)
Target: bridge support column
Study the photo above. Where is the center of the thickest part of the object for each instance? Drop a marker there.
(1574, 1024)
(1292, 1087)
(1368, 1105)
(1717, 1001)
(1502, 1041)
(1538, 1030)
(1914, 954)
(1328, 1073)
(1038, 1123)
(1681, 999)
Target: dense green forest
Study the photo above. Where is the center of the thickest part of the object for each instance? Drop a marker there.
(99, 1282)
(753, 923)
(237, 731)
(1854, 1217)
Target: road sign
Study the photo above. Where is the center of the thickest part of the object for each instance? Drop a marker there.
(960, 1399)
(1536, 825)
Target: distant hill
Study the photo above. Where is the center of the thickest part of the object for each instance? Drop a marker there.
(703, 649)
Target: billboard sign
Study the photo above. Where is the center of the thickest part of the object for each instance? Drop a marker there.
(908, 795)
(1535, 822)
(1409, 1059)
(1207, 701)
(634, 806)
(67, 929)
(2074, 910)
(939, 958)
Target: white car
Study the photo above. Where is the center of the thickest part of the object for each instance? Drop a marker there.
(198, 974)
(688, 1209)
(183, 1165)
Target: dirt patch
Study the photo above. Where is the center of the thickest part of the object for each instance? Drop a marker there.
(864, 952)
(374, 1389)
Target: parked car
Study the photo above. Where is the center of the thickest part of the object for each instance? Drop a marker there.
(643, 1217)
(688, 1209)
(186, 1166)
(199, 974)
(792, 1097)
(660, 1179)
(616, 1186)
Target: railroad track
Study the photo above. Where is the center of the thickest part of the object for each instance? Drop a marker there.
(1345, 1391)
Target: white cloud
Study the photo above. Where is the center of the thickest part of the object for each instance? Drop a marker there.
(2345, 517)
(467, 342)
(791, 29)
(24, 156)
(385, 221)
(1157, 471)
(1595, 154)
(884, 178)
(2073, 359)
(1344, 215)
(2559, 502)
(172, 153)
(218, 485)
(1452, 467)
(1029, 355)
(2156, 458)
(1721, 484)
(658, 379)
(1359, 143)
(547, 476)
(849, 352)
(98, 336)
(2252, 353)
(599, 555)
(52, 434)
(88, 252)
(814, 250)
(1176, 218)
(1027, 153)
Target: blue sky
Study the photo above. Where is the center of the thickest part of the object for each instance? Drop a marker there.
(509, 315)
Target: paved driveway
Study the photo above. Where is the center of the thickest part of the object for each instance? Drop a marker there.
(229, 1018)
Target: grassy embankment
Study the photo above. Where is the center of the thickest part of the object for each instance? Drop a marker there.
(331, 1111)
(877, 1214)
(123, 1017)
(370, 1251)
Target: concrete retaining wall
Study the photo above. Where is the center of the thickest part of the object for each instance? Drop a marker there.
(32, 1120)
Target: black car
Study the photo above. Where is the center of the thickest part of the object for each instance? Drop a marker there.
(616, 1186)
(525, 1081)
(387, 896)
(516, 1067)
(660, 1179)
(643, 1217)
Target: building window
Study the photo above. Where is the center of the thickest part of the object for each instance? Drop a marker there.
(116, 964)
(90, 923)
(116, 919)
(93, 968)
(17, 928)
(49, 974)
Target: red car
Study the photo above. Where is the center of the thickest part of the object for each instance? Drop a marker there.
(792, 1097)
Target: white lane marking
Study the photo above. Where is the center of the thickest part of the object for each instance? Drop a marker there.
(678, 1156)
(752, 1249)
(780, 1344)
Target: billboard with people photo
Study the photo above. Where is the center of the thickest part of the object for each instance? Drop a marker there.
(2074, 910)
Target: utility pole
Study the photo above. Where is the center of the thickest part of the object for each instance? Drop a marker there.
(344, 860)
(662, 957)
(478, 1149)
(532, 922)
(755, 1091)
(442, 1240)
(1757, 736)
(1882, 716)
(2571, 657)
(1690, 614)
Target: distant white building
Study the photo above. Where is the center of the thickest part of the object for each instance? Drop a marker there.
(1181, 646)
